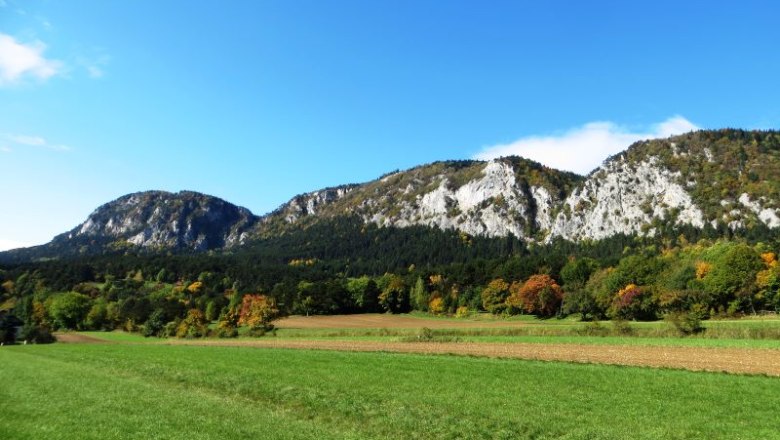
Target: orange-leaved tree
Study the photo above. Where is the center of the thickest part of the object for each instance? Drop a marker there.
(539, 295)
(257, 312)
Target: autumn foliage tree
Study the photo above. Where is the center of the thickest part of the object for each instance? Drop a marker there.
(257, 312)
(539, 295)
(494, 296)
(194, 325)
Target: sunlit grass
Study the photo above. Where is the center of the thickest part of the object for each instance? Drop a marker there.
(174, 392)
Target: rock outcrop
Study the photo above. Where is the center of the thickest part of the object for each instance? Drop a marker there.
(158, 219)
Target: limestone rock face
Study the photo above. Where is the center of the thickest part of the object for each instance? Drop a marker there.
(621, 197)
(158, 219)
(496, 198)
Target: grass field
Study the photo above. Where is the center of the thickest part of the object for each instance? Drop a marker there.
(79, 391)
(131, 387)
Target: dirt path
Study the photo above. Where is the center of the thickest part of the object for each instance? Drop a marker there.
(375, 320)
(732, 360)
(77, 338)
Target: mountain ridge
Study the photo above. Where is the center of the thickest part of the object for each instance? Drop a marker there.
(715, 178)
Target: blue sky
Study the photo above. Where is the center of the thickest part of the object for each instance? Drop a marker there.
(256, 101)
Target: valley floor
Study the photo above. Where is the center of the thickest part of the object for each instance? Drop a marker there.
(320, 382)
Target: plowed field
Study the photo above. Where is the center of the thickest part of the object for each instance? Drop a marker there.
(388, 321)
(732, 360)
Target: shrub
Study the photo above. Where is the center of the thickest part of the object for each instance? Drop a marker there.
(37, 334)
(622, 327)
(686, 323)
(593, 328)
(155, 324)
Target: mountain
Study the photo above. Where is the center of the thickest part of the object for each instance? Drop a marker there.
(722, 180)
(505, 196)
(152, 221)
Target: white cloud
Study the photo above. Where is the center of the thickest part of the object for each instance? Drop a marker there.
(19, 60)
(34, 141)
(584, 148)
(5, 149)
(6, 244)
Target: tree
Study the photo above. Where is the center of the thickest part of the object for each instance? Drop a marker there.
(576, 299)
(577, 272)
(733, 273)
(68, 310)
(194, 325)
(211, 311)
(257, 312)
(633, 302)
(228, 322)
(539, 295)
(419, 295)
(494, 296)
(97, 317)
(155, 324)
(394, 297)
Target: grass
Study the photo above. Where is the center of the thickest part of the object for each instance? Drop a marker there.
(176, 392)
(121, 336)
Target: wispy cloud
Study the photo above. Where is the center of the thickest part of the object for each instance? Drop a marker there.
(33, 141)
(5, 149)
(19, 61)
(583, 148)
(95, 66)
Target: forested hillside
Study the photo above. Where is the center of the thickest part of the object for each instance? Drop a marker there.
(685, 225)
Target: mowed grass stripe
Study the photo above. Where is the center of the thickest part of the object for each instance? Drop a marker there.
(222, 392)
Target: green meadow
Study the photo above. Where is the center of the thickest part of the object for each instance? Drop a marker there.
(151, 391)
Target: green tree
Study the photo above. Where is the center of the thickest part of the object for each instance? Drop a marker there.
(68, 310)
(733, 274)
(364, 293)
(419, 295)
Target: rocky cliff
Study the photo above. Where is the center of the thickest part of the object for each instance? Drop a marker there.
(158, 219)
(717, 178)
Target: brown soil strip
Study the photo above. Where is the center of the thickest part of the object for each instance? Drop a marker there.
(387, 321)
(731, 360)
(76, 338)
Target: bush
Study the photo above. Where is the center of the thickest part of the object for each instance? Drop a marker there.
(622, 327)
(685, 323)
(169, 330)
(37, 335)
(226, 332)
(155, 325)
(593, 328)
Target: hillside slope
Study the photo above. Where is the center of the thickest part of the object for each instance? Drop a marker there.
(724, 180)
